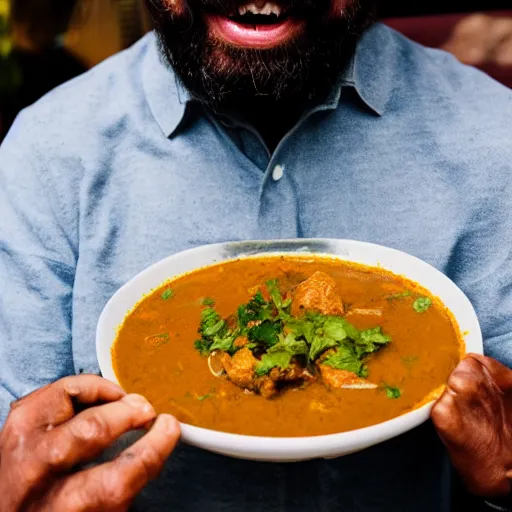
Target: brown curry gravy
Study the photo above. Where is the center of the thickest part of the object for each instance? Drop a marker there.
(167, 369)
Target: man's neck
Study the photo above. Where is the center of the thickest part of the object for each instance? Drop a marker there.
(272, 119)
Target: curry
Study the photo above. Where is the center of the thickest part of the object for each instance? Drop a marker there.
(287, 346)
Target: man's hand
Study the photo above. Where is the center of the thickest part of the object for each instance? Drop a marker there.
(474, 421)
(44, 439)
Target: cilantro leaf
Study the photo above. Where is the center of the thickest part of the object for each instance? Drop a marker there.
(334, 327)
(266, 333)
(268, 361)
(373, 337)
(225, 344)
(308, 331)
(203, 346)
(392, 392)
(256, 309)
(275, 293)
(302, 327)
(167, 294)
(281, 354)
(214, 333)
(351, 331)
(212, 329)
(281, 305)
(208, 301)
(320, 344)
(345, 358)
(204, 397)
(211, 322)
(292, 345)
(371, 340)
(422, 304)
(396, 296)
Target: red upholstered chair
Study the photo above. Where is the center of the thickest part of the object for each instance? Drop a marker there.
(434, 31)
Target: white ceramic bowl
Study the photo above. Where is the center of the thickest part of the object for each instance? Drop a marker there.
(302, 448)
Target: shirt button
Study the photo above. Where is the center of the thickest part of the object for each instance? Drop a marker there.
(278, 172)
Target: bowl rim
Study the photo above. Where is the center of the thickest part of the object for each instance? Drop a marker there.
(304, 447)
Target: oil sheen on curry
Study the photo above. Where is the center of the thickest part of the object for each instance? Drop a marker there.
(287, 346)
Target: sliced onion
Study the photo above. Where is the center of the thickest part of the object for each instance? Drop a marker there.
(218, 373)
(360, 385)
(365, 311)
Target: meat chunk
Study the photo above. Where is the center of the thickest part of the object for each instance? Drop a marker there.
(240, 370)
(318, 293)
(342, 379)
(266, 387)
(241, 342)
(240, 367)
(294, 372)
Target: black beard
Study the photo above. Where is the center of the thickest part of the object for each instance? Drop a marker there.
(224, 76)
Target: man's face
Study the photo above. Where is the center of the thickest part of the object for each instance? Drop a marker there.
(229, 51)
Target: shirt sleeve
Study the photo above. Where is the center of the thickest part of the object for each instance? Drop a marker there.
(481, 263)
(37, 266)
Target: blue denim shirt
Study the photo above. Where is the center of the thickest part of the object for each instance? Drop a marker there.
(118, 169)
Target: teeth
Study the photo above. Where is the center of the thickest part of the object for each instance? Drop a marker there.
(267, 9)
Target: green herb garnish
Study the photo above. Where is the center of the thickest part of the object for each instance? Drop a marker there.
(422, 304)
(391, 392)
(281, 354)
(280, 358)
(277, 338)
(204, 397)
(320, 344)
(215, 334)
(401, 295)
(208, 301)
(256, 309)
(346, 358)
(266, 333)
(371, 340)
(168, 294)
(203, 346)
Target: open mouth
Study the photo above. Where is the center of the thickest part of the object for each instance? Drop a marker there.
(259, 25)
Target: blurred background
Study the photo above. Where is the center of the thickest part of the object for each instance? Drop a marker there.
(44, 43)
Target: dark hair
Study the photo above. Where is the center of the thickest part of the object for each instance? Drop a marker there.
(43, 20)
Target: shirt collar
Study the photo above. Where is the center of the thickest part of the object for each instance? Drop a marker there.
(166, 96)
(370, 73)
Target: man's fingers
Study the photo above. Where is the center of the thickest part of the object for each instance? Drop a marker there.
(446, 417)
(499, 373)
(89, 433)
(471, 396)
(469, 379)
(114, 485)
(90, 389)
(52, 405)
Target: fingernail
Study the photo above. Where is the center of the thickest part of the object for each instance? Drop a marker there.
(139, 402)
(167, 423)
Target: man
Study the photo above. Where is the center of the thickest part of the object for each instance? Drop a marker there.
(293, 119)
